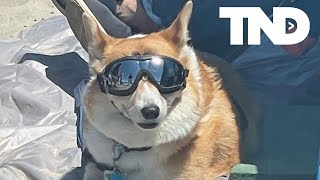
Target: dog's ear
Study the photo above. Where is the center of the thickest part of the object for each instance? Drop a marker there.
(178, 32)
(97, 39)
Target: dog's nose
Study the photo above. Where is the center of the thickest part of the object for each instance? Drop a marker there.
(150, 112)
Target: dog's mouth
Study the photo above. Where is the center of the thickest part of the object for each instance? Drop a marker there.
(148, 125)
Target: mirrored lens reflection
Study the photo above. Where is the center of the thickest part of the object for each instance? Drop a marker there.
(172, 74)
(122, 74)
(155, 67)
(167, 73)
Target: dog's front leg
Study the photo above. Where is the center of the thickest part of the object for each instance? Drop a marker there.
(92, 172)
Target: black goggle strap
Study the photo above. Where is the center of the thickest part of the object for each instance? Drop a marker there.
(102, 80)
(186, 73)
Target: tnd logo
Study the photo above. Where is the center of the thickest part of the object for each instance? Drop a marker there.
(277, 31)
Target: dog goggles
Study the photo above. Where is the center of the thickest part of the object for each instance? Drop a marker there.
(121, 77)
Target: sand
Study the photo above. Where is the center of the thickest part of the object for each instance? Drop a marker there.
(17, 15)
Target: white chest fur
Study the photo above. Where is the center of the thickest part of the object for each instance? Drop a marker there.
(137, 164)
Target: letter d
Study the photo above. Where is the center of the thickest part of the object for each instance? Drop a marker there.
(303, 25)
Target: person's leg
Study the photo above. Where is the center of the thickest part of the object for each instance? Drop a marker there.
(61, 5)
(110, 23)
(110, 4)
(133, 13)
(208, 32)
(73, 13)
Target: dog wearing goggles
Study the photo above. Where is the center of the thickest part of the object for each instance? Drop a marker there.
(155, 111)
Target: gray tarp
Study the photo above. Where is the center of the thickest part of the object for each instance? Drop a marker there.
(37, 122)
(39, 70)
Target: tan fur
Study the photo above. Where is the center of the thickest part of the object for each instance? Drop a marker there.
(212, 146)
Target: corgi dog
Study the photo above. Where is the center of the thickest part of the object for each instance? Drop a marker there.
(154, 110)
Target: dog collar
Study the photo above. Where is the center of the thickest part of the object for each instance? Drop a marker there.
(136, 149)
(114, 172)
(117, 150)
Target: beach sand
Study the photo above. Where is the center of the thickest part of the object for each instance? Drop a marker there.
(17, 15)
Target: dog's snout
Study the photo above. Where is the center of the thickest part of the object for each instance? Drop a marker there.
(150, 112)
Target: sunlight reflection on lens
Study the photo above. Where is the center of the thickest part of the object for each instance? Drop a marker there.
(157, 62)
